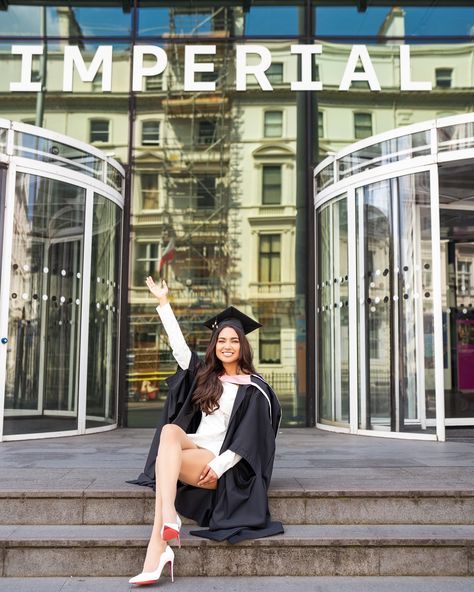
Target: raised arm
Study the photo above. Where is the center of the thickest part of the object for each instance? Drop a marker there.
(181, 351)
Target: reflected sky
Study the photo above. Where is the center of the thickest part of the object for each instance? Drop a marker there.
(259, 21)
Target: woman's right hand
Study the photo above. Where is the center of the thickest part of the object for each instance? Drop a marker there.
(159, 290)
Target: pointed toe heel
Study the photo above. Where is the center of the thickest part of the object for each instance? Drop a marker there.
(150, 577)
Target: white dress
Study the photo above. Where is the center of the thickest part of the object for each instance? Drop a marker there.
(213, 427)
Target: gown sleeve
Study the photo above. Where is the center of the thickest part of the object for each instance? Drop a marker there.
(181, 351)
(225, 461)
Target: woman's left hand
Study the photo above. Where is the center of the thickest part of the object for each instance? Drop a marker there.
(207, 477)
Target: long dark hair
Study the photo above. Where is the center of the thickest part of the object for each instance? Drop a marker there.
(209, 388)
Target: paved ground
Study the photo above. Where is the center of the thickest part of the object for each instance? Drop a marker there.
(340, 584)
(306, 458)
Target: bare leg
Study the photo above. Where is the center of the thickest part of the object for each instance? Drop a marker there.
(156, 545)
(175, 449)
(168, 466)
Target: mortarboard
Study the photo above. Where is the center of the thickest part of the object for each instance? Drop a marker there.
(232, 316)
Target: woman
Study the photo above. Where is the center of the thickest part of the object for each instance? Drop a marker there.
(213, 451)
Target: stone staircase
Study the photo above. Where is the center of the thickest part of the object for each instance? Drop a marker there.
(102, 533)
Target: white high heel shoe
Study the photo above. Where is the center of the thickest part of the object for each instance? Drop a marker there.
(170, 530)
(149, 577)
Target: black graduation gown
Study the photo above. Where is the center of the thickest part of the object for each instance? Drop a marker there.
(238, 509)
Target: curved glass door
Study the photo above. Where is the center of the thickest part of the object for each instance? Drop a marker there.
(332, 290)
(102, 374)
(395, 314)
(42, 358)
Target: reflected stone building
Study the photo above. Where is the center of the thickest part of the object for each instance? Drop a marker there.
(217, 208)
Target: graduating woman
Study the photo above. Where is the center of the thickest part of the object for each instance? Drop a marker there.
(212, 456)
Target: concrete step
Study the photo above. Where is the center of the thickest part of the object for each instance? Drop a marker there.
(305, 550)
(134, 505)
(246, 584)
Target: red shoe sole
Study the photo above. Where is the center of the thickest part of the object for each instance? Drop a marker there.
(170, 534)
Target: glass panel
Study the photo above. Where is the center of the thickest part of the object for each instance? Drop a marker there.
(272, 20)
(206, 20)
(3, 139)
(114, 178)
(325, 177)
(3, 178)
(209, 18)
(417, 21)
(204, 235)
(102, 371)
(65, 20)
(396, 311)
(45, 307)
(54, 152)
(332, 291)
(383, 153)
(456, 137)
(324, 306)
(457, 288)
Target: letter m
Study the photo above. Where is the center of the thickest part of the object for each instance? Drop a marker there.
(73, 57)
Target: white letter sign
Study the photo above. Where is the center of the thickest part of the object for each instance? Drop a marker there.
(405, 72)
(359, 52)
(258, 70)
(140, 71)
(307, 52)
(27, 52)
(191, 67)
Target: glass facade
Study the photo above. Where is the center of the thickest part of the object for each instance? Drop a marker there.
(219, 200)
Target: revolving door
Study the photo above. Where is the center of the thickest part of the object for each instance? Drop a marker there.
(395, 282)
(60, 289)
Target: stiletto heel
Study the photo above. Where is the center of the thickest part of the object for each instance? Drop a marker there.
(171, 530)
(150, 577)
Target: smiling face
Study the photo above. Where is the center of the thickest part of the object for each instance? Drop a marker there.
(228, 347)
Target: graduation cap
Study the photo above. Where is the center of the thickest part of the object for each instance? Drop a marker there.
(232, 317)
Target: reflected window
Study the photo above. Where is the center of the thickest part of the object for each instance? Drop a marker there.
(206, 192)
(206, 76)
(154, 83)
(201, 258)
(275, 73)
(146, 262)
(99, 130)
(320, 124)
(149, 191)
(359, 83)
(273, 125)
(362, 125)
(269, 346)
(97, 83)
(206, 132)
(444, 77)
(464, 277)
(269, 259)
(271, 185)
(151, 133)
